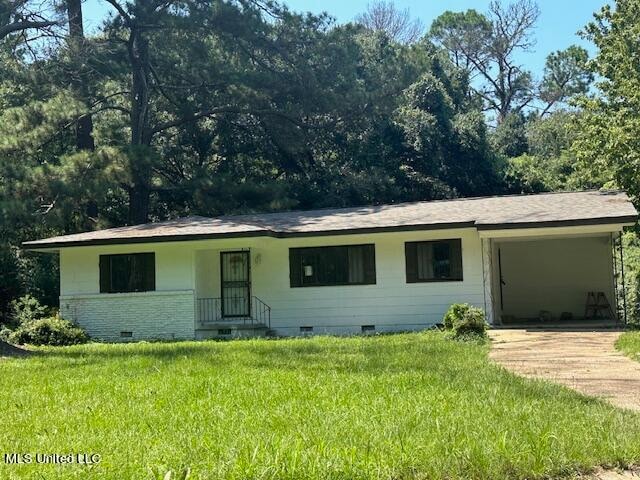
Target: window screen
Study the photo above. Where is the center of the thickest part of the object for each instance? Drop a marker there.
(435, 261)
(134, 272)
(324, 266)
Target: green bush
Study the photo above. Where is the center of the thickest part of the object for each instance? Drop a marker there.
(631, 248)
(53, 331)
(472, 323)
(456, 311)
(26, 309)
(5, 333)
(463, 320)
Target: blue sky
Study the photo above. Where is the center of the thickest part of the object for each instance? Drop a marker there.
(557, 27)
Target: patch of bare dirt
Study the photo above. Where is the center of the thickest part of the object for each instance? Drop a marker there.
(602, 474)
(586, 361)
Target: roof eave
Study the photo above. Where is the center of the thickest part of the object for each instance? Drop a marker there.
(54, 246)
(622, 220)
(41, 246)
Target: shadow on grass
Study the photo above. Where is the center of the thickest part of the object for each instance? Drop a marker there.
(372, 355)
(432, 359)
(12, 351)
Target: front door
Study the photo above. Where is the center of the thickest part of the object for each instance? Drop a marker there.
(236, 284)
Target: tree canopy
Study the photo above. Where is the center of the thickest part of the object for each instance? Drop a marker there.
(180, 107)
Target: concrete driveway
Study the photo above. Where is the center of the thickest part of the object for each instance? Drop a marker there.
(585, 361)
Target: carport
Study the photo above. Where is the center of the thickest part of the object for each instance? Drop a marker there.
(553, 276)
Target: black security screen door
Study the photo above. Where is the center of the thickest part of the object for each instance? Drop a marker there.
(236, 284)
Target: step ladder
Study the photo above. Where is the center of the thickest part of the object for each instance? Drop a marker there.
(596, 305)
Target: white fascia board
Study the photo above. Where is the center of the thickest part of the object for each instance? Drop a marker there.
(553, 231)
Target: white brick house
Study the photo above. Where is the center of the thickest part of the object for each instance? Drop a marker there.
(383, 268)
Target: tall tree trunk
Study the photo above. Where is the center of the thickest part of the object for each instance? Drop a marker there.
(140, 191)
(84, 127)
(139, 197)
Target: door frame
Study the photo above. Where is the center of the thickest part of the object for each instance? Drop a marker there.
(246, 253)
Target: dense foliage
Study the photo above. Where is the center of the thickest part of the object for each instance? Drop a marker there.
(53, 331)
(210, 107)
(35, 324)
(464, 321)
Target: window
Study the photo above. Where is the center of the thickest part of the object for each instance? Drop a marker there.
(134, 272)
(323, 266)
(437, 261)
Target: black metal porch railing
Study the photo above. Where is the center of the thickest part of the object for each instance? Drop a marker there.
(209, 310)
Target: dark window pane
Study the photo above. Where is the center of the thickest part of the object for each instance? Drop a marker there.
(355, 259)
(127, 273)
(411, 260)
(439, 260)
(340, 265)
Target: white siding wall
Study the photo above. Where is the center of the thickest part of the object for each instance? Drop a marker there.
(189, 270)
(390, 304)
(80, 269)
(207, 273)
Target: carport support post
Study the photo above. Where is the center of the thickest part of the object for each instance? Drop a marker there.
(487, 268)
(624, 288)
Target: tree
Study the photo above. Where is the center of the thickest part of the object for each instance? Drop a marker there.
(509, 137)
(183, 64)
(565, 75)
(449, 152)
(397, 24)
(608, 141)
(487, 47)
(548, 164)
(20, 17)
(80, 84)
(213, 107)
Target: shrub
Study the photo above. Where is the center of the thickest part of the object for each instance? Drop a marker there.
(26, 309)
(456, 311)
(463, 321)
(472, 323)
(631, 248)
(5, 333)
(48, 331)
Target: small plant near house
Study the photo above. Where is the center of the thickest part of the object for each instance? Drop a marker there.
(33, 324)
(54, 331)
(456, 311)
(465, 322)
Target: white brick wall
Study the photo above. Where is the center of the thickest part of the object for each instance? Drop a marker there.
(164, 315)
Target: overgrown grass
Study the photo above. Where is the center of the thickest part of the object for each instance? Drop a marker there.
(390, 407)
(629, 344)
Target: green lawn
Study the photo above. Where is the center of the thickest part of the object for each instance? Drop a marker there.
(629, 344)
(390, 407)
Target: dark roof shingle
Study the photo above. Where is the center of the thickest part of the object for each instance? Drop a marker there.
(517, 211)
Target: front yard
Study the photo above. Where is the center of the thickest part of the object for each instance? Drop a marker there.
(390, 407)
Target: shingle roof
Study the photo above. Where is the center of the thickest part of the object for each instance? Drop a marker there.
(517, 211)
